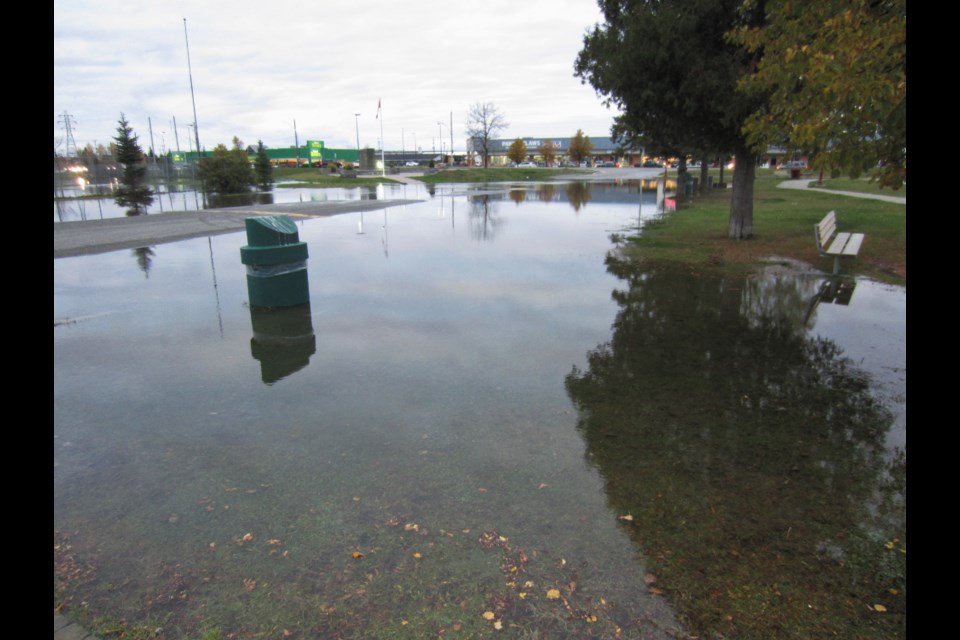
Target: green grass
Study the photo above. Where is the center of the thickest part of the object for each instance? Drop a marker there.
(783, 221)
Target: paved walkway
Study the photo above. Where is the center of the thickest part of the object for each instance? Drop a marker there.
(64, 629)
(805, 184)
(98, 236)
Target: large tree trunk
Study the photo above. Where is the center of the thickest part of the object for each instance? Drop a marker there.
(741, 200)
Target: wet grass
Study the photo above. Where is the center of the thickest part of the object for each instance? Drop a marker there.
(783, 222)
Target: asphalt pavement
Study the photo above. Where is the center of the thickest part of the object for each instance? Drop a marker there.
(99, 236)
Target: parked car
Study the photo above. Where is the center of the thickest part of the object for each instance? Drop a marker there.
(694, 165)
(652, 164)
(795, 164)
(412, 163)
(527, 165)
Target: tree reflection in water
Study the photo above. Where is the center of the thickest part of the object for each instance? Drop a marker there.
(750, 456)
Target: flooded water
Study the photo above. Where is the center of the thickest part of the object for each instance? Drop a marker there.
(485, 422)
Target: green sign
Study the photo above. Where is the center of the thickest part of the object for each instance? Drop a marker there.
(315, 148)
(179, 157)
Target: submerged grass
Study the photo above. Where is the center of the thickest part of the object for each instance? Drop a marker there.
(783, 222)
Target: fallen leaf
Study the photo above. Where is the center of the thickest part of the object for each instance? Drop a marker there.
(274, 541)
(528, 584)
(489, 615)
(879, 607)
(498, 625)
(247, 537)
(482, 490)
(590, 618)
(393, 522)
(649, 578)
(417, 555)
(356, 555)
(404, 622)
(523, 595)
(656, 591)
(249, 584)
(628, 518)
(411, 526)
(457, 626)
(893, 591)
(553, 594)
(542, 485)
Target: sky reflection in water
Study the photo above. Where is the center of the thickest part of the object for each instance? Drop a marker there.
(475, 414)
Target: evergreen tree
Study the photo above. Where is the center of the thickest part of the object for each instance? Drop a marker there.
(132, 191)
(263, 168)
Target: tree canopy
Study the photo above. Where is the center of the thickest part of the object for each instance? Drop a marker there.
(836, 75)
(264, 169)
(132, 191)
(548, 151)
(227, 170)
(484, 122)
(580, 147)
(517, 151)
(673, 75)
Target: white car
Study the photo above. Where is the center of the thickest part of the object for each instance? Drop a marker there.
(527, 165)
(412, 163)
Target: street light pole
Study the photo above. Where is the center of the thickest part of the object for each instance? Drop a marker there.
(440, 129)
(356, 121)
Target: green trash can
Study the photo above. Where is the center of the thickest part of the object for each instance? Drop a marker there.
(276, 262)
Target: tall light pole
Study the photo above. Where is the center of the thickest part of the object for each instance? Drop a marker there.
(193, 99)
(440, 129)
(356, 121)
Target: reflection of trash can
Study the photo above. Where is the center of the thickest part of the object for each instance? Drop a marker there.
(276, 262)
(794, 173)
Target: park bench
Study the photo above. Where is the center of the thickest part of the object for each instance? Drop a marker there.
(838, 245)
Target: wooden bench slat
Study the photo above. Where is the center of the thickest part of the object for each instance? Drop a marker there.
(852, 247)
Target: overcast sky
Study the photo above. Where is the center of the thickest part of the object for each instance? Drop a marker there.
(258, 66)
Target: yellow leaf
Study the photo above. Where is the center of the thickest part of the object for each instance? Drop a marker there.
(356, 555)
(248, 537)
(591, 618)
(498, 625)
(523, 595)
(489, 615)
(417, 555)
(404, 622)
(553, 594)
(879, 607)
(274, 541)
(628, 518)
(893, 591)
(528, 584)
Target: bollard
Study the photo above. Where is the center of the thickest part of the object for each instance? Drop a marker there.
(276, 262)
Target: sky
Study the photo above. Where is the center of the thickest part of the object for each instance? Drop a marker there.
(291, 70)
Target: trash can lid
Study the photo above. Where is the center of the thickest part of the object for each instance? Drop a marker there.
(271, 230)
